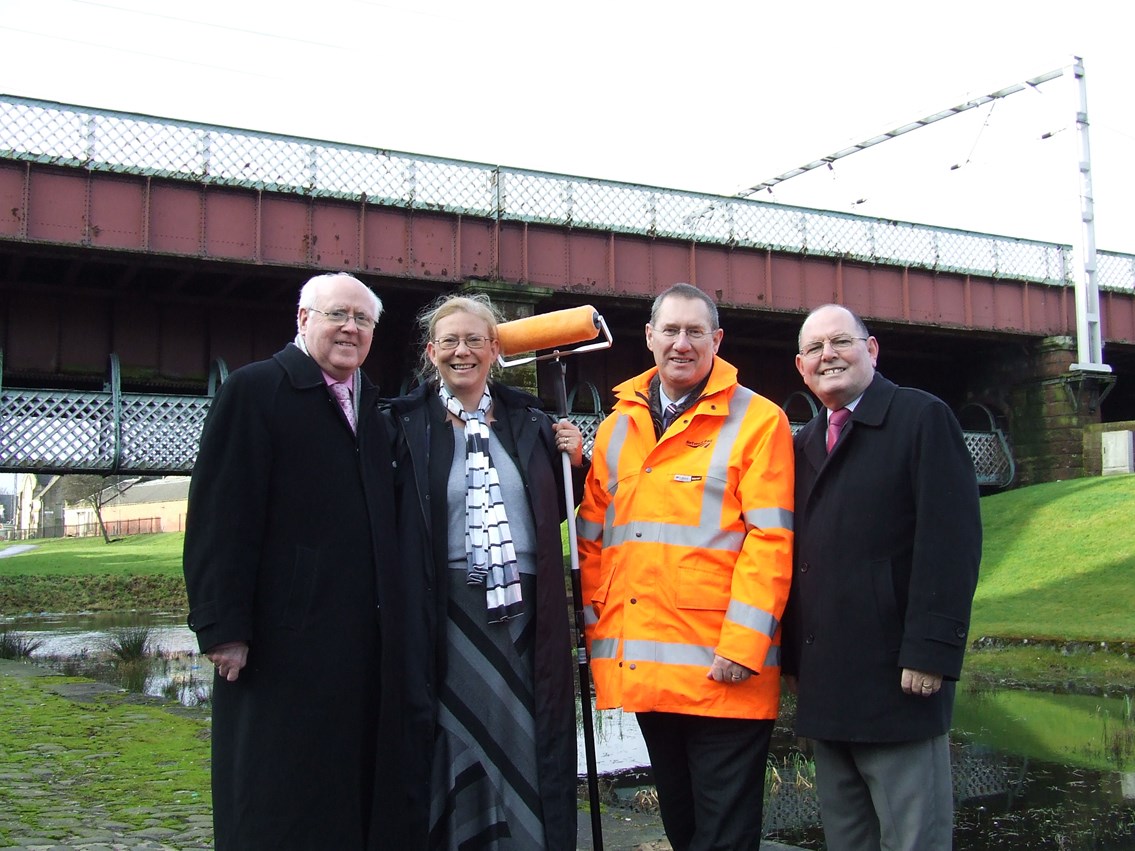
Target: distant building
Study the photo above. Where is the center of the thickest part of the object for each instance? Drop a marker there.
(21, 505)
(156, 505)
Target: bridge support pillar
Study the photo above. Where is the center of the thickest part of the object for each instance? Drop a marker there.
(1049, 405)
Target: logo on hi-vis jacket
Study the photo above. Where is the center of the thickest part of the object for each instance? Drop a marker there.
(699, 444)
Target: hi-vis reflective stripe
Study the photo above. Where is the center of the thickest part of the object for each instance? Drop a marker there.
(751, 617)
(769, 518)
(665, 653)
(604, 648)
(655, 532)
(588, 530)
(589, 616)
(614, 450)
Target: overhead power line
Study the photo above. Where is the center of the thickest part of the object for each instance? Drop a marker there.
(900, 131)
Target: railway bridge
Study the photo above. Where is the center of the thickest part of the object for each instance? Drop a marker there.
(143, 258)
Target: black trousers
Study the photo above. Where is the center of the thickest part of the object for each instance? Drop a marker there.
(710, 774)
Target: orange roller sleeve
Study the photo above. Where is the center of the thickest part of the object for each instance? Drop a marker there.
(549, 330)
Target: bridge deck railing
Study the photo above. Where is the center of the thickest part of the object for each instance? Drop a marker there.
(100, 140)
(106, 432)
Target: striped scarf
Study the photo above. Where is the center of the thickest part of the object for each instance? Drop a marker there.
(488, 539)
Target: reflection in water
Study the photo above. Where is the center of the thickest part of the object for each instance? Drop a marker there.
(80, 645)
(1031, 770)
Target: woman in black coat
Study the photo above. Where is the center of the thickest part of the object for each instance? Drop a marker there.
(483, 739)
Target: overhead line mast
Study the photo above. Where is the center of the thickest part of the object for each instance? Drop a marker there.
(1089, 338)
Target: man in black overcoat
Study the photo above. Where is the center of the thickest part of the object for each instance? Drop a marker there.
(290, 506)
(888, 542)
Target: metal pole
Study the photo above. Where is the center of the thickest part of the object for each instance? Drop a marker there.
(581, 640)
(1089, 337)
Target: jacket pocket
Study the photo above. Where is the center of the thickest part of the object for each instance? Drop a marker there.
(707, 588)
(890, 619)
(599, 598)
(305, 572)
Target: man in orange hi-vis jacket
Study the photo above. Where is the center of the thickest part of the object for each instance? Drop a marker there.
(685, 540)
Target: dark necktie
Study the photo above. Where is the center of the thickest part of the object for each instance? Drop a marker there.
(836, 421)
(669, 415)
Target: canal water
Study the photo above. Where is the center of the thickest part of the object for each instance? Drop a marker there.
(1031, 769)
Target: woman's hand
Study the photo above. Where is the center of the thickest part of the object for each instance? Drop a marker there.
(569, 439)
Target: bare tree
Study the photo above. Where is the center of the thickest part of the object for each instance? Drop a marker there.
(95, 491)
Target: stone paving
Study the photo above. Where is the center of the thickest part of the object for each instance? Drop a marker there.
(61, 824)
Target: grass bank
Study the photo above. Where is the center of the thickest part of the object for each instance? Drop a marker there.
(139, 573)
(1058, 562)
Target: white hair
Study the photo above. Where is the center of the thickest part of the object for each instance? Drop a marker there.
(309, 291)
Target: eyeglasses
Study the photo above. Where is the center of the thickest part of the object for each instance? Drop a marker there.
(341, 317)
(839, 344)
(692, 334)
(473, 341)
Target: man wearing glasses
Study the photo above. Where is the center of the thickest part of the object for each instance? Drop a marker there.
(685, 539)
(888, 541)
(290, 503)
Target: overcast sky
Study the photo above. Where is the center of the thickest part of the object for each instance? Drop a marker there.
(711, 96)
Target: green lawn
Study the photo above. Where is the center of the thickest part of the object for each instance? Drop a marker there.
(148, 555)
(1059, 562)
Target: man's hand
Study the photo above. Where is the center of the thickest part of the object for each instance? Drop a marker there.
(724, 671)
(920, 683)
(229, 658)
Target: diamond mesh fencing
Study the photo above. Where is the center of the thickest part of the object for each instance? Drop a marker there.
(107, 431)
(50, 133)
(587, 422)
(57, 430)
(64, 431)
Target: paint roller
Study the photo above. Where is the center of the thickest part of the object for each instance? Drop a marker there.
(552, 331)
(549, 330)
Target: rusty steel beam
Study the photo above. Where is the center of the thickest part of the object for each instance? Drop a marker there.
(139, 214)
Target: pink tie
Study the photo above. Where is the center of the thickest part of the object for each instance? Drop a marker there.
(343, 394)
(836, 422)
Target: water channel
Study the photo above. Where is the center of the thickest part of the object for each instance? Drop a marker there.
(1031, 769)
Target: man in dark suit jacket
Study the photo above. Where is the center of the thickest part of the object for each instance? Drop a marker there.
(888, 542)
(291, 503)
